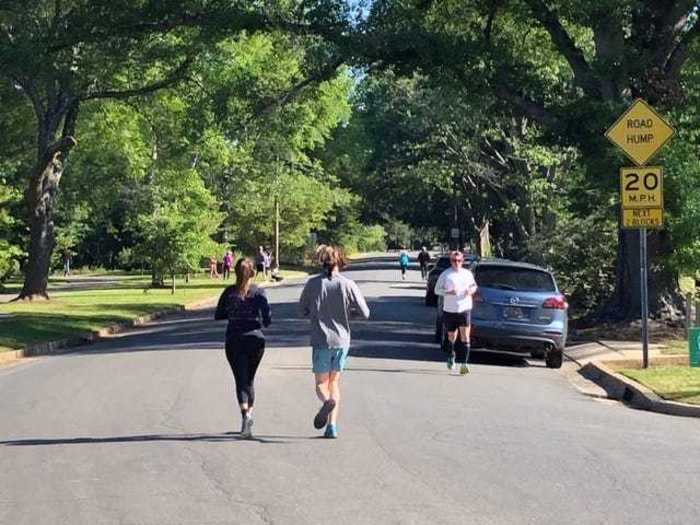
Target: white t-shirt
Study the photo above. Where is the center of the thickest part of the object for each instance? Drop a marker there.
(460, 281)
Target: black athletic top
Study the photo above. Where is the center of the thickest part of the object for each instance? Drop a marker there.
(246, 315)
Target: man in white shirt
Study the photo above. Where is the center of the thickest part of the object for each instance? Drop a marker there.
(457, 285)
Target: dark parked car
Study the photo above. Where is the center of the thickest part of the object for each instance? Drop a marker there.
(442, 264)
(518, 308)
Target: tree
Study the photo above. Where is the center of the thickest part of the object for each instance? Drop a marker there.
(59, 55)
(570, 66)
(9, 253)
(174, 233)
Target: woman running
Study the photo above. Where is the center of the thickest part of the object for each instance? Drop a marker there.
(247, 310)
(329, 299)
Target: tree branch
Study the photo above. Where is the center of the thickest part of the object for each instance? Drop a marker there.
(530, 108)
(679, 55)
(176, 75)
(134, 23)
(317, 77)
(574, 56)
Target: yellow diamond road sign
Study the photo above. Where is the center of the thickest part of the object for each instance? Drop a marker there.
(640, 132)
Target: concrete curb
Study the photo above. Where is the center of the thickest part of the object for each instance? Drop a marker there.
(62, 346)
(634, 394)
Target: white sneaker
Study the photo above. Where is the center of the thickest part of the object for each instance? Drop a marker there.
(247, 427)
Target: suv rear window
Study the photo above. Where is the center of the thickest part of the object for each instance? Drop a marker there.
(514, 278)
(444, 262)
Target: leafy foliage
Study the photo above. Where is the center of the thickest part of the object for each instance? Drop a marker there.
(8, 252)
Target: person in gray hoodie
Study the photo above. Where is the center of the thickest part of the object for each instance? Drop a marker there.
(329, 300)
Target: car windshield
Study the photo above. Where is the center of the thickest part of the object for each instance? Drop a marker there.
(514, 278)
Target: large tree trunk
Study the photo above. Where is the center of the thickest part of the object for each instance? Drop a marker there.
(43, 187)
(665, 301)
(41, 196)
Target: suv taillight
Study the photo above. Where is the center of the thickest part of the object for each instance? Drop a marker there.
(557, 302)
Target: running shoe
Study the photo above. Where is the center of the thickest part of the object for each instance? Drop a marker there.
(463, 370)
(322, 417)
(451, 361)
(247, 427)
(331, 431)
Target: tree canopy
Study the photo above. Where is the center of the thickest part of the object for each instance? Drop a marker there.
(135, 123)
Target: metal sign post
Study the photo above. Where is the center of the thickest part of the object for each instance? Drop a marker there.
(645, 296)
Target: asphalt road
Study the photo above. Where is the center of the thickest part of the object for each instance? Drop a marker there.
(142, 429)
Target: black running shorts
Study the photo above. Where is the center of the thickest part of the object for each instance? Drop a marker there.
(452, 320)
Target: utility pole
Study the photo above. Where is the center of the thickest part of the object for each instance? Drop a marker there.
(277, 229)
(277, 211)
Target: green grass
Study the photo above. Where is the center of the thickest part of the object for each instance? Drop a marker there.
(675, 383)
(70, 312)
(674, 347)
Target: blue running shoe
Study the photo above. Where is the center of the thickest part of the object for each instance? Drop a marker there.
(331, 431)
(322, 417)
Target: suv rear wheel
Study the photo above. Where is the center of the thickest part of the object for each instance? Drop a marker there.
(554, 358)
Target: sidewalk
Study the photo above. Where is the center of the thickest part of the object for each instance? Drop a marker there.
(586, 369)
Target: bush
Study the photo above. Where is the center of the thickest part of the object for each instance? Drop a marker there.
(372, 239)
(581, 252)
(361, 238)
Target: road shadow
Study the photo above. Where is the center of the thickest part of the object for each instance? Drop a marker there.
(149, 438)
(400, 328)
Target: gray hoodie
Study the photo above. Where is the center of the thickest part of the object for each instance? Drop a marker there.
(329, 303)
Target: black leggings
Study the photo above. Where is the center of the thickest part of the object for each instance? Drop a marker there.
(244, 354)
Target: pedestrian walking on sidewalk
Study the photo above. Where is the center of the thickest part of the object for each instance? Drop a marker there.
(404, 259)
(424, 260)
(260, 263)
(67, 256)
(213, 270)
(457, 286)
(227, 264)
(329, 300)
(247, 310)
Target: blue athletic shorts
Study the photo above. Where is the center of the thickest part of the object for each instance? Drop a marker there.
(329, 359)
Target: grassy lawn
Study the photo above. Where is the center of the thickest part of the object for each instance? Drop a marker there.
(675, 347)
(674, 383)
(71, 311)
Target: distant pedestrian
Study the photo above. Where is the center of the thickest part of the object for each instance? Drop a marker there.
(328, 300)
(247, 310)
(227, 264)
(404, 260)
(267, 264)
(67, 259)
(213, 270)
(260, 262)
(423, 261)
(457, 285)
